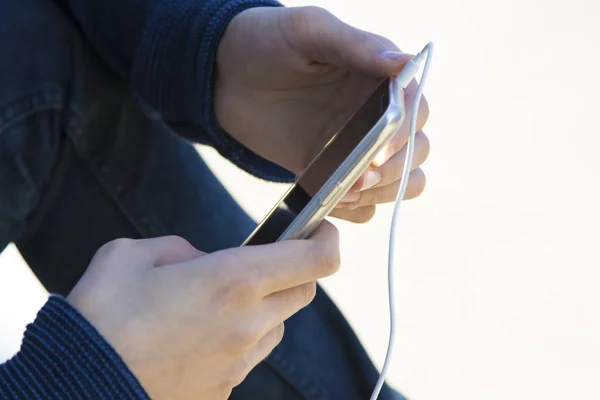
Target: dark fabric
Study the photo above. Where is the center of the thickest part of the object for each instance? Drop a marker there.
(64, 357)
(83, 160)
(167, 49)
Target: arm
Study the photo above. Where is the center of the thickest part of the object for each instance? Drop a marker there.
(63, 357)
(167, 49)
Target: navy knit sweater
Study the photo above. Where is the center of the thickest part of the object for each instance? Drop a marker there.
(167, 49)
(64, 357)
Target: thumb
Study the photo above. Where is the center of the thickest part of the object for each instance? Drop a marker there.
(325, 39)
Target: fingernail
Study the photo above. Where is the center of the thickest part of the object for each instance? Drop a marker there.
(372, 178)
(394, 55)
(350, 197)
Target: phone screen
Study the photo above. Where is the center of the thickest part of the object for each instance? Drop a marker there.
(324, 165)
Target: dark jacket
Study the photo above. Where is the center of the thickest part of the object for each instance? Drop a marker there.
(166, 50)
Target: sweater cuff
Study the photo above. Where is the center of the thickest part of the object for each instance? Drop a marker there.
(226, 144)
(63, 357)
(174, 72)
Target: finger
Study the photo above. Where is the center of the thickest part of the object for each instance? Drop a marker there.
(258, 353)
(400, 139)
(168, 250)
(391, 170)
(389, 193)
(359, 215)
(282, 305)
(274, 267)
(322, 37)
(266, 344)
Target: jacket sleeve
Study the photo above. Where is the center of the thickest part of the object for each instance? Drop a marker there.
(64, 357)
(167, 49)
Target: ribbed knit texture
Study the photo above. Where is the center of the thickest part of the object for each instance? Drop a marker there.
(168, 48)
(176, 76)
(64, 357)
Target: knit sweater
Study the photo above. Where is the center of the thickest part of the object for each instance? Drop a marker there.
(64, 357)
(167, 50)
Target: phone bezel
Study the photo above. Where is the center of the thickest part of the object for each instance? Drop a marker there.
(348, 172)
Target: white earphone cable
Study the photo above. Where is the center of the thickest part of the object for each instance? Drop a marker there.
(404, 78)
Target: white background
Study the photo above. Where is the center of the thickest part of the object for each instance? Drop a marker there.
(498, 284)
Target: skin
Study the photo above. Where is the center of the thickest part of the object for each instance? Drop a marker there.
(192, 325)
(288, 78)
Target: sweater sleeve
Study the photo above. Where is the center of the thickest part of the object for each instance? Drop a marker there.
(64, 357)
(167, 49)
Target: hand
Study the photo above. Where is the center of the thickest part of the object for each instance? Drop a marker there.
(288, 78)
(192, 325)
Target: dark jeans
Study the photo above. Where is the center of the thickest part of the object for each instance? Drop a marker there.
(82, 163)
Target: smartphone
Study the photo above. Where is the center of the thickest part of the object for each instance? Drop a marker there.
(336, 168)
